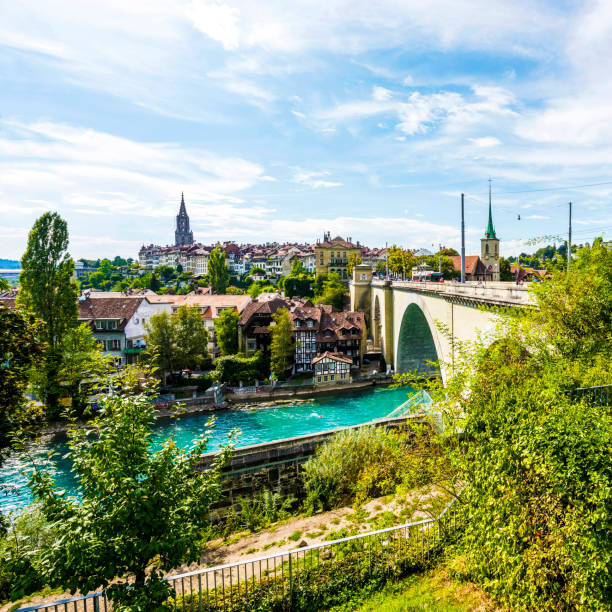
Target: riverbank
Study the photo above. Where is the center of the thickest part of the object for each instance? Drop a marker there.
(265, 399)
(259, 423)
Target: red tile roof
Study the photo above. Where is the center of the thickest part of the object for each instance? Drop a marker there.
(108, 308)
(471, 264)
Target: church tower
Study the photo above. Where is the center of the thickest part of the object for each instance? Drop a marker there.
(489, 247)
(183, 235)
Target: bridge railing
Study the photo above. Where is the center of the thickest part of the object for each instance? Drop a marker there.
(495, 293)
(274, 580)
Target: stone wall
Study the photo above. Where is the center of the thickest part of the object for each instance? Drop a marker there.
(274, 466)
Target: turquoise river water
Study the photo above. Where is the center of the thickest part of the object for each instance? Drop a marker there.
(256, 425)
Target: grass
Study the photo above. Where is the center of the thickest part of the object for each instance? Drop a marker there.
(433, 591)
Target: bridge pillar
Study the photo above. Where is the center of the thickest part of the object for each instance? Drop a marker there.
(360, 288)
(388, 333)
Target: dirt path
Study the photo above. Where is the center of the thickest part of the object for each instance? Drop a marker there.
(300, 531)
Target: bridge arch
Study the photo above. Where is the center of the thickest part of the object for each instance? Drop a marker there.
(417, 342)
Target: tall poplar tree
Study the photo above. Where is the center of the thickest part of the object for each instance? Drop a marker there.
(50, 293)
(281, 347)
(218, 271)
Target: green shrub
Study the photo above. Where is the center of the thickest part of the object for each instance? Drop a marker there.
(261, 511)
(353, 462)
(20, 562)
(536, 458)
(232, 369)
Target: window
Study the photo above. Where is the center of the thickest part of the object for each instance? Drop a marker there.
(98, 324)
(325, 378)
(142, 321)
(364, 277)
(298, 323)
(113, 345)
(309, 323)
(318, 379)
(135, 321)
(343, 375)
(332, 377)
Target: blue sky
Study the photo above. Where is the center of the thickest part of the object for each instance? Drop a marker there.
(280, 120)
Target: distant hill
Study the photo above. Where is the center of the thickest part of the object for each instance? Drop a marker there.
(10, 264)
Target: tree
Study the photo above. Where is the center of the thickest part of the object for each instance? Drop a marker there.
(333, 291)
(160, 340)
(83, 365)
(191, 338)
(504, 270)
(281, 346)
(154, 284)
(178, 341)
(297, 267)
(381, 267)
(167, 273)
(575, 307)
(534, 453)
(4, 285)
(47, 289)
(141, 512)
(318, 285)
(21, 349)
(218, 271)
(231, 290)
(353, 260)
(257, 270)
(226, 328)
(50, 293)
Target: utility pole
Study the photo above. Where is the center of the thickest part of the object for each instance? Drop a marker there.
(387, 258)
(569, 242)
(462, 240)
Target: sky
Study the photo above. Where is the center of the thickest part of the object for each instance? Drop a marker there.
(282, 120)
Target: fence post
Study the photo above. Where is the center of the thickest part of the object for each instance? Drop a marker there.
(96, 604)
(290, 584)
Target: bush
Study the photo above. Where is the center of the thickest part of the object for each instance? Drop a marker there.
(365, 461)
(232, 369)
(262, 511)
(536, 456)
(20, 563)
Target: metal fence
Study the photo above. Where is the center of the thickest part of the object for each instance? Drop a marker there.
(601, 395)
(278, 580)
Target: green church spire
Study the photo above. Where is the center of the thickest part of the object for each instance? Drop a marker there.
(490, 233)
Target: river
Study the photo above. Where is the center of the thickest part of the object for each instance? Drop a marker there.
(256, 425)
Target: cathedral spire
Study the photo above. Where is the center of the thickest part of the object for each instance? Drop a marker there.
(490, 233)
(183, 235)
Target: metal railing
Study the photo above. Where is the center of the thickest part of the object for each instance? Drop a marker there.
(277, 578)
(601, 394)
(412, 404)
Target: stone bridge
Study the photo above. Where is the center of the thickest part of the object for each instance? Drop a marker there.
(413, 323)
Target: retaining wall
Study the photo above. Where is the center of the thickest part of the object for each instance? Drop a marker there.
(275, 466)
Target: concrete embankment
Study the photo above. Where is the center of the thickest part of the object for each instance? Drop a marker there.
(275, 466)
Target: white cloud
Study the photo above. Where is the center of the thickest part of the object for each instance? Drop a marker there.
(313, 179)
(418, 113)
(486, 141)
(217, 20)
(380, 94)
(121, 182)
